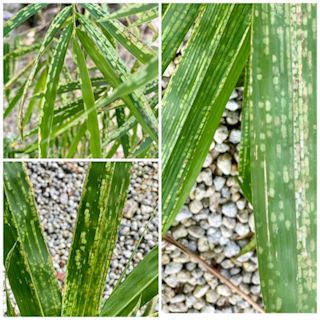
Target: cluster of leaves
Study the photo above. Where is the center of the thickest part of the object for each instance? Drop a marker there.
(72, 90)
(274, 45)
(28, 264)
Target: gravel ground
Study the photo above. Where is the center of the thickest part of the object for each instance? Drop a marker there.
(213, 219)
(58, 189)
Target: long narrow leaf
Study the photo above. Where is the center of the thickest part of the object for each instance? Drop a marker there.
(132, 9)
(55, 26)
(89, 101)
(142, 283)
(99, 216)
(176, 22)
(31, 274)
(139, 108)
(117, 30)
(23, 15)
(283, 153)
(55, 68)
(196, 96)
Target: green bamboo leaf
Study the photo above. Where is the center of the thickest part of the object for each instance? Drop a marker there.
(135, 81)
(23, 15)
(99, 216)
(130, 10)
(47, 107)
(21, 51)
(31, 274)
(244, 177)
(147, 17)
(13, 102)
(282, 91)
(55, 26)
(124, 36)
(120, 115)
(89, 101)
(141, 282)
(74, 145)
(176, 22)
(115, 72)
(6, 62)
(196, 96)
(34, 101)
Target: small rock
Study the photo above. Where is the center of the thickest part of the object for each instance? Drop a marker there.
(242, 229)
(212, 296)
(195, 206)
(196, 231)
(172, 268)
(229, 209)
(235, 136)
(221, 134)
(219, 183)
(179, 232)
(224, 163)
(231, 249)
(203, 244)
(184, 214)
(130, 209)
(215, 220)
(224, 291)
(200, 291)
(232, 105)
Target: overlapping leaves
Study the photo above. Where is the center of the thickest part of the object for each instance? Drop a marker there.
(50, 116)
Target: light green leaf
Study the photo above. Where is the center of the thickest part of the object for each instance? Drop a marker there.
(176, 22)
(55, 26)
(23, 15)
(282, 91)
(31, 274)
(196, 96)
(89, 101)
(115, 72)
(141, 282)
(135, 81)
(117, 30)
(131, 9)
(99, 216)
(47, 112)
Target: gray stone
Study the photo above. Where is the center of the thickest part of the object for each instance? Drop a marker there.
(231, 250)
(200, 291)
(229, 209)
(196, 231)
(232, 105)
(224, 291)
(172, 268)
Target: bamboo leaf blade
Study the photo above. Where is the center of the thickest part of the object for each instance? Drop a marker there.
(196, 96)
(89, 101)
(55, 26)
(244, 177)
(47, 108)
(131, 9)
(99, 216)
(141, 282)
(108, 63)
(283, 153)
(173, 32)
(22, 16)
(36, 289)
(117, 30)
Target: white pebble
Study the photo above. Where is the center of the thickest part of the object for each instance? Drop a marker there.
(221, 134)
(232, 105)
(229, 209)
(224, 163)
